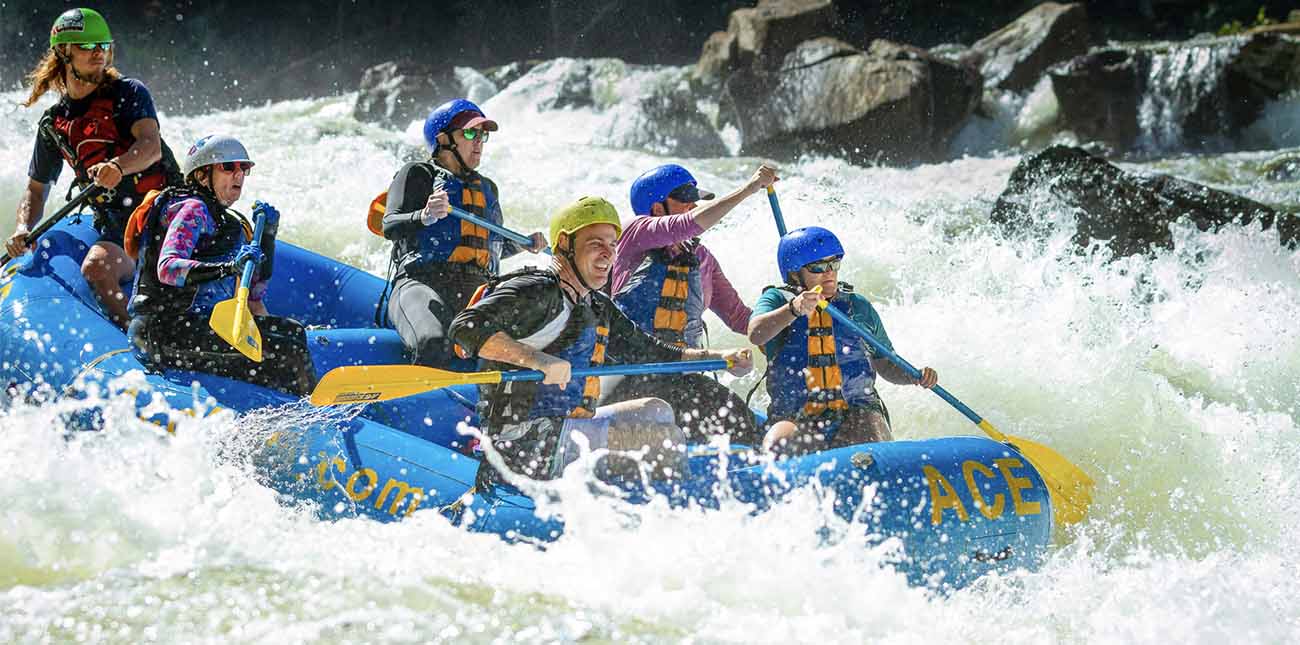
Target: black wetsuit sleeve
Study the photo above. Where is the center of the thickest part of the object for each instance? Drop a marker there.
(629, 344)
(209, 271)
(406, 198)
(520, 307)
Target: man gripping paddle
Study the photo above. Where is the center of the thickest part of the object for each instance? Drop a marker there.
(554, 321)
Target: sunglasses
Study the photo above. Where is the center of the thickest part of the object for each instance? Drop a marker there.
(90, 47)
(232, 166)
(471, 135)
(822, 266)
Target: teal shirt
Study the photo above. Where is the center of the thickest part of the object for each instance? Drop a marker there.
(863, 314)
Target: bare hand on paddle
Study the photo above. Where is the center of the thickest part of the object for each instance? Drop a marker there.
(557, 370)
(539, 242)
(763, 177)
(106, 173)
(804, 303)
(436, 208)
(741, 360)
(16, 245)
(929, 378)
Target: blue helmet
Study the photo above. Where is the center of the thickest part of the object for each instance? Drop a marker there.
(803, 246)
(441, 117)
(655, 184)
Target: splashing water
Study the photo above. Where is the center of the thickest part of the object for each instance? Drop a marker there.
(1172, 379)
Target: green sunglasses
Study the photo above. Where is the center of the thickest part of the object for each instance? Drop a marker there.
(90, 47)
(472, 134)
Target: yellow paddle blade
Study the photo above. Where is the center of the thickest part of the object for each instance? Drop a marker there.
(370, 383)
(233, 322)
(1069, 487)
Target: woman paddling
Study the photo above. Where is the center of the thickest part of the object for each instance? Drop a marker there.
(192, 248)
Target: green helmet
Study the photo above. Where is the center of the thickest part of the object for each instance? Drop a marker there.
(80, 26)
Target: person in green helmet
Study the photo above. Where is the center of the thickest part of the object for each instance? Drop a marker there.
(106, 128)
(558, 319)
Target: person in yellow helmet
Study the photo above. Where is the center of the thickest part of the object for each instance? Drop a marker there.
(554, 320)
(106, 128)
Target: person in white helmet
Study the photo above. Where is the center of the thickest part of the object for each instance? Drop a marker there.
(191, 248)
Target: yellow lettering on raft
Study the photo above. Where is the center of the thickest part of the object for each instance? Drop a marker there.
(968, 470)
(945, 499)
(323, 466)
(1017, 484)
(403, 489)
(351, 487)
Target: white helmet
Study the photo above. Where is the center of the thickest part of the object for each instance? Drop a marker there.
(213, 149)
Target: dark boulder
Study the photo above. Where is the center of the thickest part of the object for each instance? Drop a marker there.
(1197, 94)
(1133, 213)
(893, 103)
(1015, 56)
(761, 37)
(398, 92)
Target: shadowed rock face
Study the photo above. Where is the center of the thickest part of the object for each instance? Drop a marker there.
(398, 92)
(892, 103)
(1015, 56)
(1133, 212)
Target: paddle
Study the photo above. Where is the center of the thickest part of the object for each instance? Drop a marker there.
(520, 238)
(1069, 487)
(370, 383)
(776, 210)
(232, 319)
(63, 212)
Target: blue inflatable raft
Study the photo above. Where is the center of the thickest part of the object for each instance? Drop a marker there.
(961, 506)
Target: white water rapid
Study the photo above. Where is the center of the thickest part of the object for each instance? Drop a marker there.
(1172, 379)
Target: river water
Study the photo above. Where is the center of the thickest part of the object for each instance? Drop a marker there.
(1172, 379)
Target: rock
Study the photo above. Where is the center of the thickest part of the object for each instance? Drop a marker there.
(398, 92)
(1196, 94)
(1132, 212)
(762, 36)
(650, 108)
(895, 103)
(1283, 168)
(717, 57)
(503, 75)
(1015, 56)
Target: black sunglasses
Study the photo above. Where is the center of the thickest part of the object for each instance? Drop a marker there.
(231, 166)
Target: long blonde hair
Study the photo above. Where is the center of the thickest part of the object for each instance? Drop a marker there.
(50, 74)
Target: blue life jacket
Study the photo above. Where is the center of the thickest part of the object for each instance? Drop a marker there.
(151, 295)
(665, 296)
(453, 240)
(822, 368)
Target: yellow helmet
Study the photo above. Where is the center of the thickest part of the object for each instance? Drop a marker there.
(580, 215)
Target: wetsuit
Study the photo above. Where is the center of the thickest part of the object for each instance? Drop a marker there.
(93, 129)
(819, 372)
(441, 265)
(187, 250)
(526, 419)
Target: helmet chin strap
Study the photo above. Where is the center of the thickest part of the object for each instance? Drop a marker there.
(67, 62)
(572, 257)
(465, 170)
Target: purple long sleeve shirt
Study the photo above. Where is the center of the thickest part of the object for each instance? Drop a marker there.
(187, 221)
(644, 234)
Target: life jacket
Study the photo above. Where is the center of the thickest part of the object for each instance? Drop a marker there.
(154, 297)
(449, 240)
(821, 368)
(93, 137)
(665, 296)
(582, 343)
